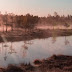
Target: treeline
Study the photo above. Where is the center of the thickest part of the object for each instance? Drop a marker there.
(18, 21)
(29, 21)
(56, 20)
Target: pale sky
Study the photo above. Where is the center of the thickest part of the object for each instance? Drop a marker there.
(36, 7)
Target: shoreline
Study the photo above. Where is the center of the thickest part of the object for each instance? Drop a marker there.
(55, 63)
(34, 34)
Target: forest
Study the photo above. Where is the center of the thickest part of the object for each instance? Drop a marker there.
(29, 21)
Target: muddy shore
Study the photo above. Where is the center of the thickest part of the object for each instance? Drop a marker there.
(34, 34)
(56, 63)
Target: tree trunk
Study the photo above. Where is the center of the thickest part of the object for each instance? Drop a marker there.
(6, 27)
(12, 27)
(3, 28)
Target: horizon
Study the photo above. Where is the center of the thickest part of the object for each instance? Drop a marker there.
(40, 8)
(34, 15)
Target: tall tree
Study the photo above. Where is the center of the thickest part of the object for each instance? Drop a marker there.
(6, 21)
(12, 22)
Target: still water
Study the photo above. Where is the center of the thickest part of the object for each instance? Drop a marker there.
(28, 51)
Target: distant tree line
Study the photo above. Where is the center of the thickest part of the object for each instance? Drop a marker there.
(56, 20)
(29, 21)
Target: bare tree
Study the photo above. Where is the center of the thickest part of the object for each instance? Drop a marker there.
(6, 21)
(12, 18)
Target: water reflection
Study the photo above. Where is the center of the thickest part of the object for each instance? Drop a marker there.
(24, 49)
(66, 41)
(5, 51)
(28, 51)
(11, 49)
(54, 37)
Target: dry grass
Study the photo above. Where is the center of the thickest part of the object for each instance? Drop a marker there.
(59, 63)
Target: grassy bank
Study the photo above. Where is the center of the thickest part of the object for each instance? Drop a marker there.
(33, 34)
(56, 63)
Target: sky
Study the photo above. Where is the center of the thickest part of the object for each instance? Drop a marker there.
(36, 7)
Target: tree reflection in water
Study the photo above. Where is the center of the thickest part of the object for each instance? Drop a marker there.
(24, 49)
(54, 35)
(53, 39)
(5, 48)
(2, 47)
(66, 41)
(0, 50)
(27, 51)
(12, 50)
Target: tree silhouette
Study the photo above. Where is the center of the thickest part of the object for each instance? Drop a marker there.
(5, 20)
(12, 18)
(66, 25)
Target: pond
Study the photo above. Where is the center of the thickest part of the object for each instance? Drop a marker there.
(27, 51)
